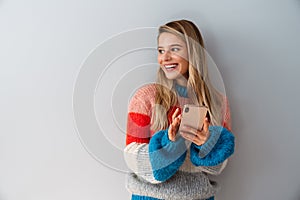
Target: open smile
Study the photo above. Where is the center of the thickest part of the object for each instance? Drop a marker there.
(170, 67)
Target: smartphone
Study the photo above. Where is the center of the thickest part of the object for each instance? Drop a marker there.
(193, 116)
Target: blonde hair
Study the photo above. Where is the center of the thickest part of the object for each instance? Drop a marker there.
(199, 88)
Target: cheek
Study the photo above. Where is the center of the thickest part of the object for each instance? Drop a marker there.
(159, 59)
(184, 64)
(182, 60)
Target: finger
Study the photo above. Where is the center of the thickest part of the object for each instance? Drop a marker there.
(205, 125)
(175, 113)
(192, 138)
(190, 130)
(173, 128)
(188, 136)
(179, 117)
(171, 133)
(170, 129)
(176, 122)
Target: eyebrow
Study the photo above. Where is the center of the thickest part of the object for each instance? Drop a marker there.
(171, 45)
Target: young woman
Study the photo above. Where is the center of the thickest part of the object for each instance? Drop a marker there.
(168, 163)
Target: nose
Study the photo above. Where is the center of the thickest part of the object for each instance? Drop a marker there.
(166, 56)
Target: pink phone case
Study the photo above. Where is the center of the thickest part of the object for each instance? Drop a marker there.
(193, 116)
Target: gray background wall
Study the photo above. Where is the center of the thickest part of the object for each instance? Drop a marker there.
(254, 43)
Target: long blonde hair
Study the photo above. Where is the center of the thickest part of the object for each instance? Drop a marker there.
(200, 90)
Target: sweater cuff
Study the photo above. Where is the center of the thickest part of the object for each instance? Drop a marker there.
(204, 149)
(223, 148)
(166, 156)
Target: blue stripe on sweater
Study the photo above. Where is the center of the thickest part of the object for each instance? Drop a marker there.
(213, 152)
(136, 197)
(166, 156)
(182, 90)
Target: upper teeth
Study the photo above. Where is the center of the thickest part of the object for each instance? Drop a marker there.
(170, 66)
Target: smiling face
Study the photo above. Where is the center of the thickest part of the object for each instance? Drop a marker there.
(173, 57)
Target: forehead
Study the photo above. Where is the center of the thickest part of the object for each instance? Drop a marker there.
(166, 39)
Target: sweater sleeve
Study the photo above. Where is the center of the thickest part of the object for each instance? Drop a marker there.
(157, 161)
(166, 156)
(152, 162)
(136, 152)
(221, 150)
(139, 116)
(213, 154)
(137, 159)
(214, 170)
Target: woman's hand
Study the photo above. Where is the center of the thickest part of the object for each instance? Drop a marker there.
(173, 128)
(196, 136)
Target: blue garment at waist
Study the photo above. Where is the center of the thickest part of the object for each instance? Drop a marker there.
(136, 197)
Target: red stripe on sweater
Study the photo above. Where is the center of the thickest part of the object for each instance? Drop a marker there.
(139, 119)
(130, 139)
(171, 112)
(138, 128)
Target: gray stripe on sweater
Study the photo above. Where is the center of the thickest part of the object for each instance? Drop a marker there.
(182, 186)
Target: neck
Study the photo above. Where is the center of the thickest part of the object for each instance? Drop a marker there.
(181, 81)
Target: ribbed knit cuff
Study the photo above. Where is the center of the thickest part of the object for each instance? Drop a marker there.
(204, 149)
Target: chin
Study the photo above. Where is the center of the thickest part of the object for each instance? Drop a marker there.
(172, 76)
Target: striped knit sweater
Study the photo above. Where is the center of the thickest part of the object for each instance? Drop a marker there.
(162, 169)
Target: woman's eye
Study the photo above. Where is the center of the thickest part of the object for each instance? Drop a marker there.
(175, 49)
(161, 51)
